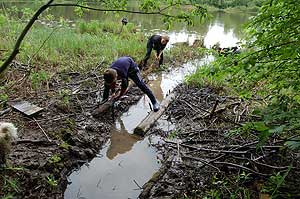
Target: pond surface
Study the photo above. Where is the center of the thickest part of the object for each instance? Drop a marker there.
(128, 161)
(221, 26)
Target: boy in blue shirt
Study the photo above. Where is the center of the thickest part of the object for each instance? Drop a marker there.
(124, 68)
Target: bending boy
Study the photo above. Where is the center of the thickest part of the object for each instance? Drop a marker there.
(124, 68)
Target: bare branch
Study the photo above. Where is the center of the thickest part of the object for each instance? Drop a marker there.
(23, 34)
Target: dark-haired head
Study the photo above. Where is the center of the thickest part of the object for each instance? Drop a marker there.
(110, 76)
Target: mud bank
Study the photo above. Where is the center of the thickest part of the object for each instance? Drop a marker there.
(205, 157)
(62, 137)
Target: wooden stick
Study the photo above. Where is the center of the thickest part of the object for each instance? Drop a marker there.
(137, 184)
(42, 130)
(241, 167)
(207, 150)
(146, 124)
(202, 161)
(213, 110)
(29, 141)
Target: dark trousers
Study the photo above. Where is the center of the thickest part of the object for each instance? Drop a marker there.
(137, 79)
(148, 53)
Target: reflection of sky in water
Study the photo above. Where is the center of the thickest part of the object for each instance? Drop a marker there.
(178, 37)
(183, 36)
(216, 34)
(171, 80)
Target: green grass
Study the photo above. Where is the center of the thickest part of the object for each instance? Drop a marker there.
(72, 48)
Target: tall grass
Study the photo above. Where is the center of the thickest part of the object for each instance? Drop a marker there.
(75, 47)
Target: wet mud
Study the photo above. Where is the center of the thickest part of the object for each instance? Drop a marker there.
(203, 155)
(60, 138)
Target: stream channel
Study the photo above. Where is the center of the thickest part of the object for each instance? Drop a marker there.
(127, 161)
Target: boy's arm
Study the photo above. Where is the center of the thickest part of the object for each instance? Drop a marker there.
(124, 86)
(105, 93)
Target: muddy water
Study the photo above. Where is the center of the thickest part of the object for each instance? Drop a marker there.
(128, 161)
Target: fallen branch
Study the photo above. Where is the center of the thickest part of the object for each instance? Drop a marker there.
(213, 110)
(241, 167)
(4, 111)
(38, 142)
(207, 150)
(146, 124)
(202, 161)
(137, 184)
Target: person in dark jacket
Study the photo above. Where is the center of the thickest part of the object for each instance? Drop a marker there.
(124, 68)
(158, 43)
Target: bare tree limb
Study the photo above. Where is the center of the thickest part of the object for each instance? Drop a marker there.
(23, 34)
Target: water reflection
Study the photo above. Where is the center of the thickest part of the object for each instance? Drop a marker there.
(155, 86)
(121, 141)
(226, 39)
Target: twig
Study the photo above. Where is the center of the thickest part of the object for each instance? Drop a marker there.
(99, 183)
(213, 110)
(241, 167)
(271, 166)
(4, 111)
(208, 150)
(42, 130)
(137, 184)
(203, 161)
(21, 141)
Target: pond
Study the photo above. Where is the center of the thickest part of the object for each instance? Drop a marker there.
(221, 26)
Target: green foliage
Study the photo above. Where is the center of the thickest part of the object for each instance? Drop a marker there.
(65, 95)
(51, 181)
(3, 20)
(3, 96)
(267, 70)
(65, 145)
(222, 4)
(10, 184)
(229, 187)
(38, 78)
(8, 196)
(294, 143)
(173, 134)
(55, 159)
(275, 182)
